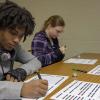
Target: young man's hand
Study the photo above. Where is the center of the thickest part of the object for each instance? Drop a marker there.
(18, 74)
(34, 89)
(11, 78)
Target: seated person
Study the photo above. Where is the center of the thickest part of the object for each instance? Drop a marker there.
(45, 44)
(17, 23)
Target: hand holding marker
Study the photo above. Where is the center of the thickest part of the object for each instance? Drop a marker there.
(38, 74)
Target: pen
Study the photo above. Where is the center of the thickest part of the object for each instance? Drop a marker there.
(80, 70)
(38, 74)
(65, 46)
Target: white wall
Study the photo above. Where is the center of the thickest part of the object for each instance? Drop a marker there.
(82, 17)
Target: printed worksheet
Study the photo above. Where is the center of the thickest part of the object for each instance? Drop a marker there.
(95, 71)
(81, 61)
(79, 90)
(53, 80)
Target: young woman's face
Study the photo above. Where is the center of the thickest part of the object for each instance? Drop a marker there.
(54, 32)
(9, 39)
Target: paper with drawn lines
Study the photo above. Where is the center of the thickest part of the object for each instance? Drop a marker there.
(53, 80)
(79, 90)
(95, 71)
(81, 61)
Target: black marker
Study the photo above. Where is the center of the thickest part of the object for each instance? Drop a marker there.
(80, 70)
(38, 74)
(65, 46)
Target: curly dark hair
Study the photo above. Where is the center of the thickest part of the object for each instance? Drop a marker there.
(12, 16)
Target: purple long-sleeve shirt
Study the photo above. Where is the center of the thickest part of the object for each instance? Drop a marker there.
(46, 52)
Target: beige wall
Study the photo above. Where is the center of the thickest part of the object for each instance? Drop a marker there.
(82, 17)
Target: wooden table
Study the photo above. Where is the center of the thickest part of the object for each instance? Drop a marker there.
(61, 68)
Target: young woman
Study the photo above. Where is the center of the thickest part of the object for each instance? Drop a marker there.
(45, 44)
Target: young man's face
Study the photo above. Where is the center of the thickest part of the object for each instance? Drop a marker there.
(10, 38)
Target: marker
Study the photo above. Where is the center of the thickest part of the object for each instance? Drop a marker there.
(80, 70)
(38, 74)
(65, 46)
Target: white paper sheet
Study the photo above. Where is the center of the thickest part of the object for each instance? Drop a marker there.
(79, 90)
(95, 71)
(53, 80)
(81, 61)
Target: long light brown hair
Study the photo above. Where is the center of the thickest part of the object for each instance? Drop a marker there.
(54, 21)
